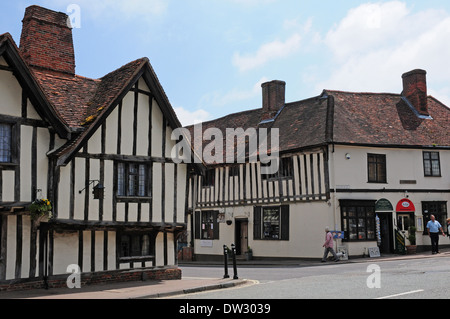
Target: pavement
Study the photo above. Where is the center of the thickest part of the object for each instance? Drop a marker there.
(168, 288)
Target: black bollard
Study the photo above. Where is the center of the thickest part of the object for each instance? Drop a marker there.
(225, 258)
(233, 250)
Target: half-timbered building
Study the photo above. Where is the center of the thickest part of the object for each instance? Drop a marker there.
(368, 165)
(99, 150)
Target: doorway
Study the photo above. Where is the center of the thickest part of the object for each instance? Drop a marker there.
(241, 236)
(386, 232)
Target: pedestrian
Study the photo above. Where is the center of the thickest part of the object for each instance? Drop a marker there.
(434, 227)
(329, 244)
(448, 228)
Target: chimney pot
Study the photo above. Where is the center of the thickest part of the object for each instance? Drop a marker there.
(415, 90)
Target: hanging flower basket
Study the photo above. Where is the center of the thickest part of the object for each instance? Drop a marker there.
(40, 209)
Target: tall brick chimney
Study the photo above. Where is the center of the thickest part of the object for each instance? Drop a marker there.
(46, 41)
(415, 90)
(273, 98)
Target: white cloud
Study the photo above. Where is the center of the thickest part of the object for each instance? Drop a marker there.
(267, 52)
(376, 43)
(252, 2)
(117, 11)
(219, 99)
(187, 117)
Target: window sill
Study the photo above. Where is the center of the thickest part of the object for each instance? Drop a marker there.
(358, 240)
(136, 259)
(132, 199)
(7, 166)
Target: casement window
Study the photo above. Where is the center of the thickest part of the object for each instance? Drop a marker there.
(6, 147)
(233, 171)
(206, 225)
(271, 223)
(438, 209)
(209, 178)
(135, 245)
(358, 220)
(376, 164)
(132, 180)
(285, 169)
(431, 164)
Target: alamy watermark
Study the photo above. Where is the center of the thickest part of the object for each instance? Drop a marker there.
(238, 146)
(374, 279)
(74, 13)
(74, 280)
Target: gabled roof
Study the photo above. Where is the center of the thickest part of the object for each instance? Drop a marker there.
(10, 52)
(94, 105)
(387, 119)
(336, 117)
(76, 106)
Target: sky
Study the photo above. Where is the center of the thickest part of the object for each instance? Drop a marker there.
(211, 56)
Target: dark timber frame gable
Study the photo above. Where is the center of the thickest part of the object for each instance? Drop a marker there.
(38, 247)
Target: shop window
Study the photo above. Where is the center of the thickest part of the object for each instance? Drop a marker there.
(358, 220)
(376, 164)
(438, 209)
(271, 223)
(206, 225)
(431, 164)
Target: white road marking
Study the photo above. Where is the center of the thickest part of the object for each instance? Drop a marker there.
(402, 294)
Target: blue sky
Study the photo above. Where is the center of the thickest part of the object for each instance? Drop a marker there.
(211, 56)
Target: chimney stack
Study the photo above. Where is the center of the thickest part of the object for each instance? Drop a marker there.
(273, 98)
(46, 41)
(415, 90)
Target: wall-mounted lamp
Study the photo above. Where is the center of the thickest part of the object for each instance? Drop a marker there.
(98, 190)
(229, 222)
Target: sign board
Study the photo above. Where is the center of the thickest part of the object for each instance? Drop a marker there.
(337, 234)
(405, 205)
(343, 251)
(374, 252)
(206, 243)
(383, 205)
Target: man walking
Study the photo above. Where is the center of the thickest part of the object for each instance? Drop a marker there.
(434, 227)
(329, 246)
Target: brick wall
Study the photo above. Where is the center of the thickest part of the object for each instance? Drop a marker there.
(46, 41)
(95, 278)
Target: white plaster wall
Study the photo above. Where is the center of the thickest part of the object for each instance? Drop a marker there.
(65, 251)
(11, 93)
(26, 137)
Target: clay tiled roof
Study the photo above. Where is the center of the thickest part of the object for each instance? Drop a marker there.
(376, 119)
(79, 100)
(386, 119)
(70, 96)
